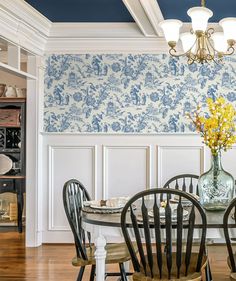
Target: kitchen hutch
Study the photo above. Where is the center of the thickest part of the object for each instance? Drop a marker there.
(12, 153)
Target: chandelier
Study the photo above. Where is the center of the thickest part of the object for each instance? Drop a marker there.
(201, 44)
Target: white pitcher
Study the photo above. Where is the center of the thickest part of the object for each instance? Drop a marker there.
(10, 92)
(21, 93)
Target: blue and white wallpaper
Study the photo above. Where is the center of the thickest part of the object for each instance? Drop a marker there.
(130, 93)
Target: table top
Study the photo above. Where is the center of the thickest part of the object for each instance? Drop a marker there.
(214, 219)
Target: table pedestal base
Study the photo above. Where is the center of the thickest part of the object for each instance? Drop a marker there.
(100, 256)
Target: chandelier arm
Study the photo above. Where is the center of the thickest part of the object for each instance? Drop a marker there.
(215, 52)
(213, 48)
(209, 32)
(213, 57)
(192, 58)
(173, 53)
(216, 62)
(195, 42)
(210, 48)
(230, 51)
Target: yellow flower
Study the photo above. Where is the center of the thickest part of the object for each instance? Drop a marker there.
(217, 129)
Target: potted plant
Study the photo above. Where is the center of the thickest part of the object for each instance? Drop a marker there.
(217, 128)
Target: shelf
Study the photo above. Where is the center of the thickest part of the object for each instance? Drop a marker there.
(16, 71)
(12, 177)
(5, 222)
(4, 99)
(10, 150)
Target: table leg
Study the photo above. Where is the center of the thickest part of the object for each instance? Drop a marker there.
(100, 256)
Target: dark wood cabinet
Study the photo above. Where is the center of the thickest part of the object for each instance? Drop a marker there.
(12, 145)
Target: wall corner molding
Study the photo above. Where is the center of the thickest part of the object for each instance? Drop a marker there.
(24, 26)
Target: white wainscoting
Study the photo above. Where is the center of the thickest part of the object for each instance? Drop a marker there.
(114, 165)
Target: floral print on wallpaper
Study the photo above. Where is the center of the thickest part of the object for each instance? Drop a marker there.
(130, 93)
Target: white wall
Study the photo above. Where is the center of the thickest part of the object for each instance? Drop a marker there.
(111, 165)
(13, 80)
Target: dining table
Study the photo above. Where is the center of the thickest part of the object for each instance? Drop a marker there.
(106, 227)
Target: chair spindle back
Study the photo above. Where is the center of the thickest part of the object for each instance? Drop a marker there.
(74, 193)
(185, 182)
(144, 220)
(230, 218)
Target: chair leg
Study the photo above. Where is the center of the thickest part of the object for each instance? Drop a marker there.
(81, 273)
(122, 272)
(92, 273)
(208, 272)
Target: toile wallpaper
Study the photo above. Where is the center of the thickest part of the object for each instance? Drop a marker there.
(130, 93)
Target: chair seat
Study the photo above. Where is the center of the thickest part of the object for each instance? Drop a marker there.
(192, 274)
(116, 253)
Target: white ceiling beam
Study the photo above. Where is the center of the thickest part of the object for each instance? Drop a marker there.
(139, 15)
(154, 14)
(95, 30)
(107, 45)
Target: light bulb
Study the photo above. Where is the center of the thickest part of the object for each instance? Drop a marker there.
(229, 28)
(220, 43)
(171, 29)
(199, 17)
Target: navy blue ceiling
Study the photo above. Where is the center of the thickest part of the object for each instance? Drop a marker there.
(178, 8)
(115, 10)
(83, 10)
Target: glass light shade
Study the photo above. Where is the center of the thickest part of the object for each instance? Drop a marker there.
(220, 43)
(171, 29)
(200, 17)
(229, 28)
(188, 40)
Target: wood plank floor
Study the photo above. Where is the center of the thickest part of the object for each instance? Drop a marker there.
(53, 262)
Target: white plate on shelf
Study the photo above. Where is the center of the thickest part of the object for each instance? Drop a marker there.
(5, 164)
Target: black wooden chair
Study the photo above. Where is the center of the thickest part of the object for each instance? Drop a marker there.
(185, 182)
(144, 220)
(74, 193)
(230, 215)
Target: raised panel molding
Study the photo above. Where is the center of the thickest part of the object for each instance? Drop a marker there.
(201, 151)
(109, 156)
(147, 164)
(52, 149)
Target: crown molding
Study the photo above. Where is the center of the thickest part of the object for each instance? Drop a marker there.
(24, 26)
(106, 37)
(26, 13)
(94, 30)
(106, 45)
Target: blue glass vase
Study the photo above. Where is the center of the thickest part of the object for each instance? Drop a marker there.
(216, 186)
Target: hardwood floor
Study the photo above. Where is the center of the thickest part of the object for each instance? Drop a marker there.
(53, 262)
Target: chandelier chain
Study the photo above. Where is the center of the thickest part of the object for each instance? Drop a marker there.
(203, 3)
